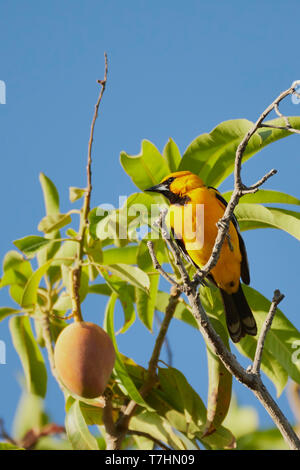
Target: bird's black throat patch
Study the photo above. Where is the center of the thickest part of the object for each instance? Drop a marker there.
(176, 198)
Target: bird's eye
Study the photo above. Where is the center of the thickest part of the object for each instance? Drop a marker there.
(169, 180)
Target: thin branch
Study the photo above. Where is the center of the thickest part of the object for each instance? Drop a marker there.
(87, 198)
(173, 301)
(121, 427)
(254, 187)
(109, 425)
(166, 343)
(86, 204)
(277, 298)
(286, 119)
(5, 435)
(284, 128)
(159, 268)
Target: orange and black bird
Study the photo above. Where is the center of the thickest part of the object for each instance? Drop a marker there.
(186, 192)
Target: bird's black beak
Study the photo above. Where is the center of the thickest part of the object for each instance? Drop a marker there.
(158, 188)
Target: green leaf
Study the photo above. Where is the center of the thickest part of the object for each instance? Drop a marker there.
(63, 303)
(12, 259)
(29, 354)
(31, 244)
(102, 289)
(265, 196)
(51, 200)
(188, 413)
(138, 199)
(267, 439)
(16, 293)
(51, 197)
(147, 168)
(144, 259)
(92, 414)
(52, 443)
(131, 274)
(76, 193)
(128, 307)
(67, 250)
(16, 269)
(7, 446)
(219, 382)
(145, 302)
(109, 227)
(29, 415)
(241, 420)
(126, 298)
(54, 222)
(186, 400)
(124, 255)
(157, 427)
(120, 369)
(172, 155)
(77, 429)
(7, 311)
(29, 297)
(212, 155)
(251, 216)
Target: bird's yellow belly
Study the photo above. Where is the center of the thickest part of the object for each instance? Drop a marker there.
(197, 227)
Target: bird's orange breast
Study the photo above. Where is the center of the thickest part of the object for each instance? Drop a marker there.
(196, 224)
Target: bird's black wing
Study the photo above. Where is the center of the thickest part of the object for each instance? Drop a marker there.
(245, 274)
(181, 246)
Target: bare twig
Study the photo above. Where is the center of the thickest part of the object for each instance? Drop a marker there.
(173, 301)
(86, 204)
(32, 436)
(286, 119)
(284, 128)
(277, 298)
(159, 268)
(5, 435)
(166, 343)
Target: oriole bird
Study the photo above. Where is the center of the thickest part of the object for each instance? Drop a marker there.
(185, 192)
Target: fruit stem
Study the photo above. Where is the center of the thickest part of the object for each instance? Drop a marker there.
(75, 274)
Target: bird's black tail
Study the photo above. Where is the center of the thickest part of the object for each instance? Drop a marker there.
(239, 318)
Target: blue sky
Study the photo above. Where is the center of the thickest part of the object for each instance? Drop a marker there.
(176, 69)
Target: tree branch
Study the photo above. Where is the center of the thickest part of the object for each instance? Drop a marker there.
(86, 205)
(277, 298)
(121, 426)
(239, 188)
(250, 378)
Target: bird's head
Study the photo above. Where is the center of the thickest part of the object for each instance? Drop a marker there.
(176, 186)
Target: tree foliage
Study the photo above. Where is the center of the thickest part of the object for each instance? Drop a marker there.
(117, 265)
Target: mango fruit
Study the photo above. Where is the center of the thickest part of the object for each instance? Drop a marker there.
(84, 358)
